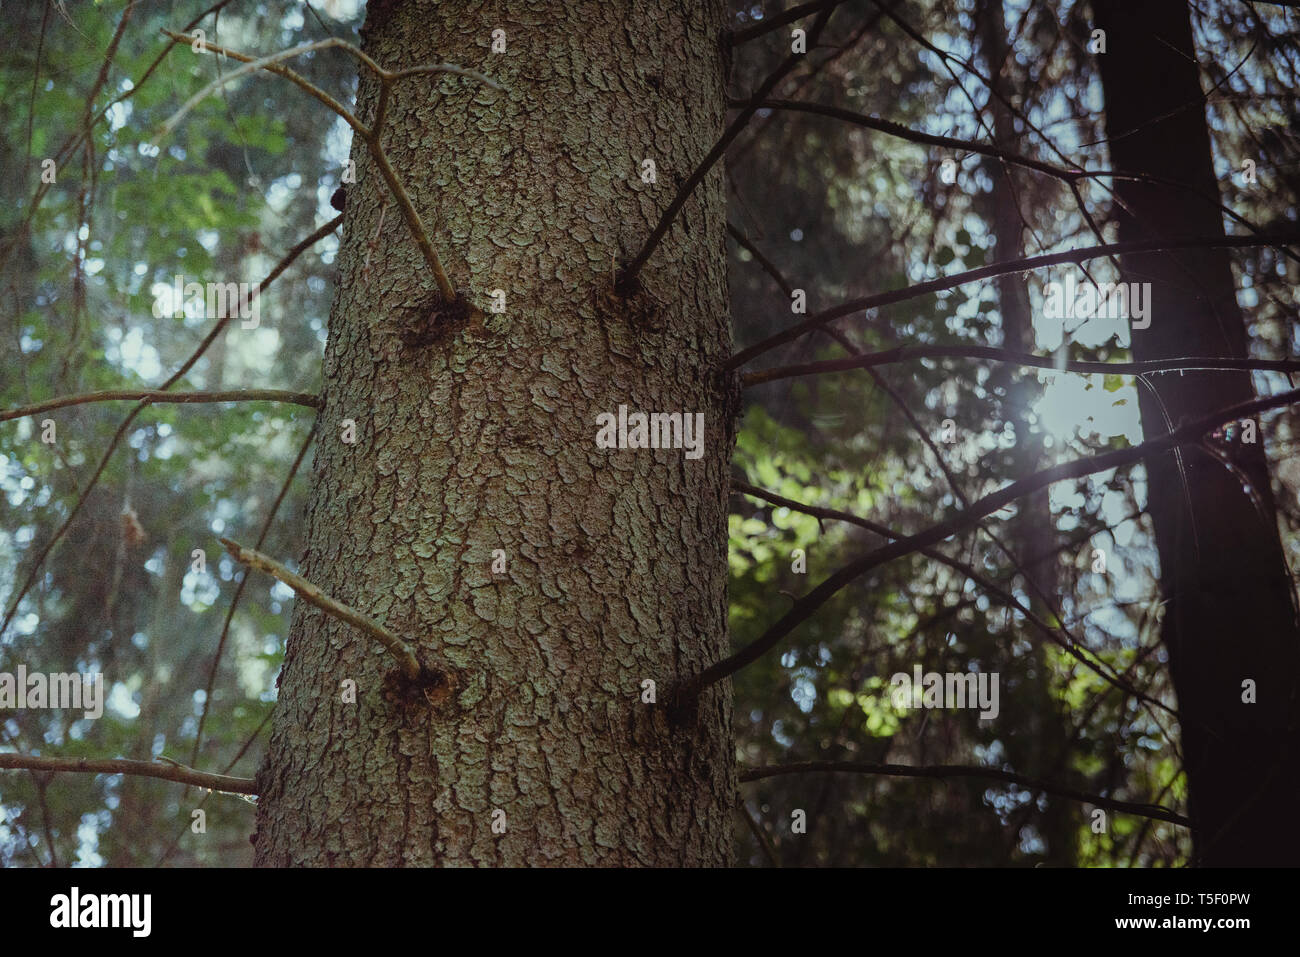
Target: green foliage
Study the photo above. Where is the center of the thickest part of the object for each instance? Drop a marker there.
(219, 199)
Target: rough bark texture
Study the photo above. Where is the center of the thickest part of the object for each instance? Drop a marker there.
(1228, 610)
(484, 439)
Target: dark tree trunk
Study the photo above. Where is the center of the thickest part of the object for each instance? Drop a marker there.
(1046, 750)
(1228, 615)
(485, 438)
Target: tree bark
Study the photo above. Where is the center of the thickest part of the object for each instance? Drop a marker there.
(480, 434)
(1229, 616)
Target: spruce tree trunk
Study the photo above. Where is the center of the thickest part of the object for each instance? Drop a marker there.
(1228, 615)
(481, 435)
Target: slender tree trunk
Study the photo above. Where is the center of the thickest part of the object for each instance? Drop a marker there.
(1044, 752)
(484, 438)
(1228, 617)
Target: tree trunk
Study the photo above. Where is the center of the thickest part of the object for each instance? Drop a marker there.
(1047, 750)
(480, 435)
(1228, 616)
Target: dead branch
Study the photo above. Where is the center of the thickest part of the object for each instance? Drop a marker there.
(398, 648)
(167, 772)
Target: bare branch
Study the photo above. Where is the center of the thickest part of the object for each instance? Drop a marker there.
(627, 276)
(288, 258)
(398, 648)
(999, 269)
(157, 396)
(1068, 175)
(248, 743)
(1057, 636)
(1189, 432)
(412, 217)
(1155, 811)
(175, 377)
(912, 353)
(768, 266)
(167, 772)
(395, 75)
(270, 66)
(927, 139)
(252, 66)
(757, 830)
(756, 30)
(370, 135)
(239, 591)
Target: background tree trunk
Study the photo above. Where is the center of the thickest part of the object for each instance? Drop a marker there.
(485, 439)
(1228, 609)
(1031, 535)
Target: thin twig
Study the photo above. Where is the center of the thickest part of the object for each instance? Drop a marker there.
(248, 742)
(916, 136)
(297, 79)
(912, 353)
(760, 835)
(158, 396)
(10, 760)
(768, 266)
(370, 135)
(1057, 636)
(767, 25)
(239, 591)
(412, 217)
(263, 63)
(1188, 432)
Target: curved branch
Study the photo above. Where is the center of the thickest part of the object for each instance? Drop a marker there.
(265, 63)
(158, 396)
(999, 269)
(1156, 811)
(916, 136)
(1057, 636)
(369, 134)
(10, 760)
(909, 353)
